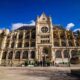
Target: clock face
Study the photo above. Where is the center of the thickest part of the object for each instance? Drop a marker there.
(44, 29)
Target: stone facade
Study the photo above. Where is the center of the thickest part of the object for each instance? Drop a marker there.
(44, 41)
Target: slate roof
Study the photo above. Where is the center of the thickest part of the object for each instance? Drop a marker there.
(26, 28)
(34, 27)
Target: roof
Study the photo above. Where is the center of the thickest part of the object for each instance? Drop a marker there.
(26, 27)
(33, 27)
(58, 27)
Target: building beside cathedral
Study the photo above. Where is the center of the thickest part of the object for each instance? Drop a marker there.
(44, 41)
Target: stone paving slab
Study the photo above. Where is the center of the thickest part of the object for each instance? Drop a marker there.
(35, 73)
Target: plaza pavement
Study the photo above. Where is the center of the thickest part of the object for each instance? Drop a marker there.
(37, 73)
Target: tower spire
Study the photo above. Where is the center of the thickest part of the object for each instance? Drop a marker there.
(43, 15)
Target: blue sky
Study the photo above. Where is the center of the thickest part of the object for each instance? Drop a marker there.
(63, 12)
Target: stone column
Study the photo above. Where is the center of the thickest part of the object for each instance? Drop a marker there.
(7, 61)
(3, 44)
(39, 54)
(30, 34)
(74, 41)
(70, 53)
(53, 55)
(29, 54)
(21, 54)
(16, 43)
(13, 58)
(62, 55)
(1, 53)
(10, 41)
(36, 53)
(23, 42)
(67, 44)
(59, 38)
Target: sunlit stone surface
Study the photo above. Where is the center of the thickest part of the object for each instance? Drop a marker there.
(30, 73)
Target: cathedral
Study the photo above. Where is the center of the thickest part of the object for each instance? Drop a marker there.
(44, 41)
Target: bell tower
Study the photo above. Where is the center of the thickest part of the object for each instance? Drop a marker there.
(44, 38)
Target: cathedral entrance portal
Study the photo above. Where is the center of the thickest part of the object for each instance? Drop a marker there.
(46, 56)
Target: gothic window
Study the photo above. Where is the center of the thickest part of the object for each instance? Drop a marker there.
(4, 55)
(45, 41)
(56, 43)
(12, 45)
(44, 29)
(73, 53)
(55, 35)
(20, 36)
(32, 54)
(7, 44)
(69, 35)
(13, 37)
(27, 35)
(19, 44)
(71, 43)
(8, 37)
(66, 54)
(63, 43)
(10, 55)
(33, 35)
(45, 50)
(77, 42)
(58, 54)
(26, 44)
(17, 55)
(32, 44)
(62, 35)
(44, 36)
(25, 55)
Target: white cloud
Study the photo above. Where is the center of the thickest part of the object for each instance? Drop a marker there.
(17, 25)
(69, 26)
(76, 29)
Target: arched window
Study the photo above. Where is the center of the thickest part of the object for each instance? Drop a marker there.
(26, 44)
(27, 35)
(19, 44)
(10, 55)
(55, 35)
(71, 43)
(58, 54)
(62, 35)
(4, 55)
(32, 44)
(63, 43)
(56, 43)
(7, 44)
(66, 54)
(33, 35)
(20, 36)
(45, 50)
(12, 45)
(32, 54)
(25, 55)
(73, 53)
(17, 55)
(13, 37)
